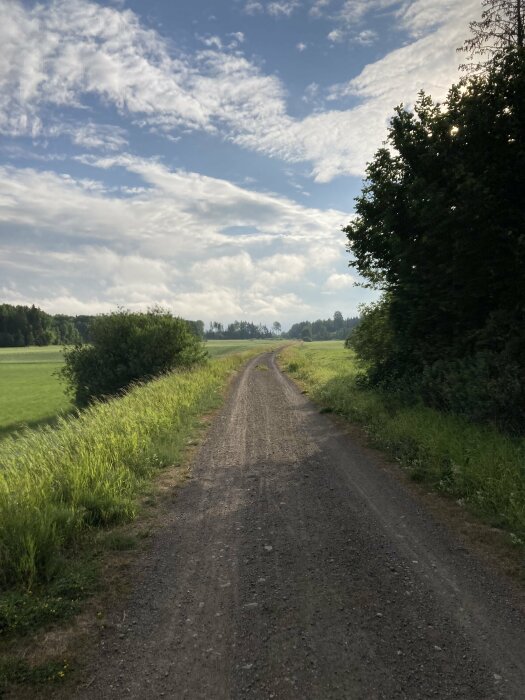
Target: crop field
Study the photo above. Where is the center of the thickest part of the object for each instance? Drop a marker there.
(30, 393)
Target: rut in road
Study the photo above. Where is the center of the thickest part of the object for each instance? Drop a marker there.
(294, 566)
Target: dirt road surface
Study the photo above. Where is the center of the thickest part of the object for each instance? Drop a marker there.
(294, 566)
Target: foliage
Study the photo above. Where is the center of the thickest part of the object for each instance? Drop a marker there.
(324, 329)
(372, 338)
(479, 465)
(238, 330)
(28, 325)
(128, 347)
(499, 29)
(440, 228)
(57, 483)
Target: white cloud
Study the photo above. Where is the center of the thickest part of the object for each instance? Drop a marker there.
(367, 37)
(301, 46)
(78, 49)
(336, 36)
(336, 282)
(282, 7)
(318, 7)
(275, 8)
(94, 136)
(199, 245)
(252, 7)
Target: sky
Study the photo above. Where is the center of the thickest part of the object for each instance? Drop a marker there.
(202, 155)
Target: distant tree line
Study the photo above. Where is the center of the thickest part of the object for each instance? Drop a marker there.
(336, 328)
(240, 330)
(29, 325)
(440, 230)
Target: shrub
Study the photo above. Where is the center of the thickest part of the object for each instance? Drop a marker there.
(128, 347)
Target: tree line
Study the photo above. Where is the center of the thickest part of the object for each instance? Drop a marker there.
(440, 231)
(336, 328)
(28, 325)
(241, 330)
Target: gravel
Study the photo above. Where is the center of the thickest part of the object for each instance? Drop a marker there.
(293, 566)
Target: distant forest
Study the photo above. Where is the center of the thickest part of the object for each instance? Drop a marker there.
(241, 330)
(336, 328)
(29, 325)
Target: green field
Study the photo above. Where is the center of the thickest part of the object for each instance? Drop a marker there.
(30, 393)
(217, 348)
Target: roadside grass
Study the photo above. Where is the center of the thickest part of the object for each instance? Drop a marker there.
(57, 482)
(478, 466)
(68, 496)
(30, 392)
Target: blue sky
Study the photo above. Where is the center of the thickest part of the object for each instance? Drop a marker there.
(201, 155)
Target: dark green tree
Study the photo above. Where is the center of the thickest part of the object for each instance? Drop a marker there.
(129, 347)
(440, 228)
(500, 29)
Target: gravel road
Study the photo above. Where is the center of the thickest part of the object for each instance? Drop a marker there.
(293, 565)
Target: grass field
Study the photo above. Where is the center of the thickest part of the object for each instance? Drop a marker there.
(477, 465)
(217, 348)
(30, 393)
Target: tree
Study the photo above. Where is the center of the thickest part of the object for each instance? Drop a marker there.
(440, 229)
(500, 28)
(276, 326)
(128, 347)
(306, 334)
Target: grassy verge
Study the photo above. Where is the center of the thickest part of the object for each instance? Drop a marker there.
(68, 494)
(476, 465)
(58, 482)
(32, 395)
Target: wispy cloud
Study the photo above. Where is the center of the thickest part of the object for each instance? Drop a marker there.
(275, 8)
(60, 54)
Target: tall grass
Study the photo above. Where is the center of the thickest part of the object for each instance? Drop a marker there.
(477, 464)
(57, 482)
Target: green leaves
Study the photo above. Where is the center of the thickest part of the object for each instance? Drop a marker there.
(126, 348)
(440, 228)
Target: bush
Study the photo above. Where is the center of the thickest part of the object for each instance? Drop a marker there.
(485, 387)
(128, 347)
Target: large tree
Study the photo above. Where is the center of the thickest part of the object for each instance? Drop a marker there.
(500, 28)
(440, 227)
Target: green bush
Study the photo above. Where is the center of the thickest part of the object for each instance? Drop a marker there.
(129, 347)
